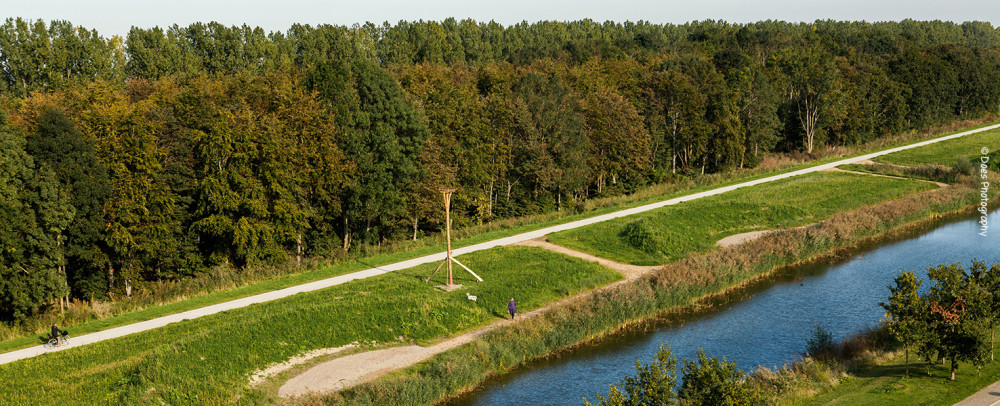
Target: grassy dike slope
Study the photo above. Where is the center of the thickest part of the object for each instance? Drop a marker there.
(675, 231)
(209, 360)
(675, 288)
(947, 152)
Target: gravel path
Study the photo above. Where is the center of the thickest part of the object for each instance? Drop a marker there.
(325, 283)
(349, 370)
(988, 396)
(627, 270)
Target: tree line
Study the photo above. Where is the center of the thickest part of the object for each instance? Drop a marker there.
(171, 151)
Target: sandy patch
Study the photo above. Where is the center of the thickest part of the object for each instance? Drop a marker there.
(274, 369)
(627, 270)
(737, 239)
(939, 184)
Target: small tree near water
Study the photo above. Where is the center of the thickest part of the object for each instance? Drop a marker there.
(957, 332)
(653, 384)
(907, 313)
(988, 281)
(707, 381)
(820, 345)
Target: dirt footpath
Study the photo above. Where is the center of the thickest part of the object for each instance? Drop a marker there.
(628, 271)
(350, 370)
(344, 372)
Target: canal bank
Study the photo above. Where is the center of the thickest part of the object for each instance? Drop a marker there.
(765, 324)
(677, 289)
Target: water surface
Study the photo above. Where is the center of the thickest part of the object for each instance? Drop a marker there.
(766, 325)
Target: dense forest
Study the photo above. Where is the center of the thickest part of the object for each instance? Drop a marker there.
(172, 151)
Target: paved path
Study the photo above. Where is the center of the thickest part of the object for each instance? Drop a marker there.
(337, 280)
(989, 396)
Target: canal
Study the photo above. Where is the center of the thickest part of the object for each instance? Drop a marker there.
(767, 324)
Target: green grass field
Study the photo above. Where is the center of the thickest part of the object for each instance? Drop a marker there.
(947, 152)
(209, 360)
(886, 384)
(677, 230)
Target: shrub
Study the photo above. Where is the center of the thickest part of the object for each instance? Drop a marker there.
(709, 381)
(821, 345)
(964, 165)
(640, 236)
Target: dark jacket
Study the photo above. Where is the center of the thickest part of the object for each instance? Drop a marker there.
(512, 307)
(56, 331)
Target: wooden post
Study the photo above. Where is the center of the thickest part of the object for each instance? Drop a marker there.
(447, 226)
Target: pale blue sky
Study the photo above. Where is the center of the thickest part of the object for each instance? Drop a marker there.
(114, 17)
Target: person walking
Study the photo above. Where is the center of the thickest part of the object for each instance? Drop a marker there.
(512, 308)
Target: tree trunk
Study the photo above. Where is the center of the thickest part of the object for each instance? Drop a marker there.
(414, 228)
(954, 366)
(809, 121)
(298, 251)
(347, 235)
(489, 212)
(906, 350)
(673, 144)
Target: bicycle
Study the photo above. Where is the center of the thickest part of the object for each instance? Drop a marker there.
(53, 343)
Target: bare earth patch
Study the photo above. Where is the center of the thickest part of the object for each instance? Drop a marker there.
(628, 271)
(274, 369)
(737, 239)
(350, 370)
(940, 184)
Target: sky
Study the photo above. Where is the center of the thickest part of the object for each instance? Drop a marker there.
(115, 17)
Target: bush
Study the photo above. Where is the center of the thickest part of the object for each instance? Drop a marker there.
(964, 166)
(709, 381)
(640, 236)
(821, 345)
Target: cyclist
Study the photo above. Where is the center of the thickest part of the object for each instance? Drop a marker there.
(57, 334)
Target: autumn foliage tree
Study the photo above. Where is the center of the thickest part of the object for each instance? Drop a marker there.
(907, 313)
